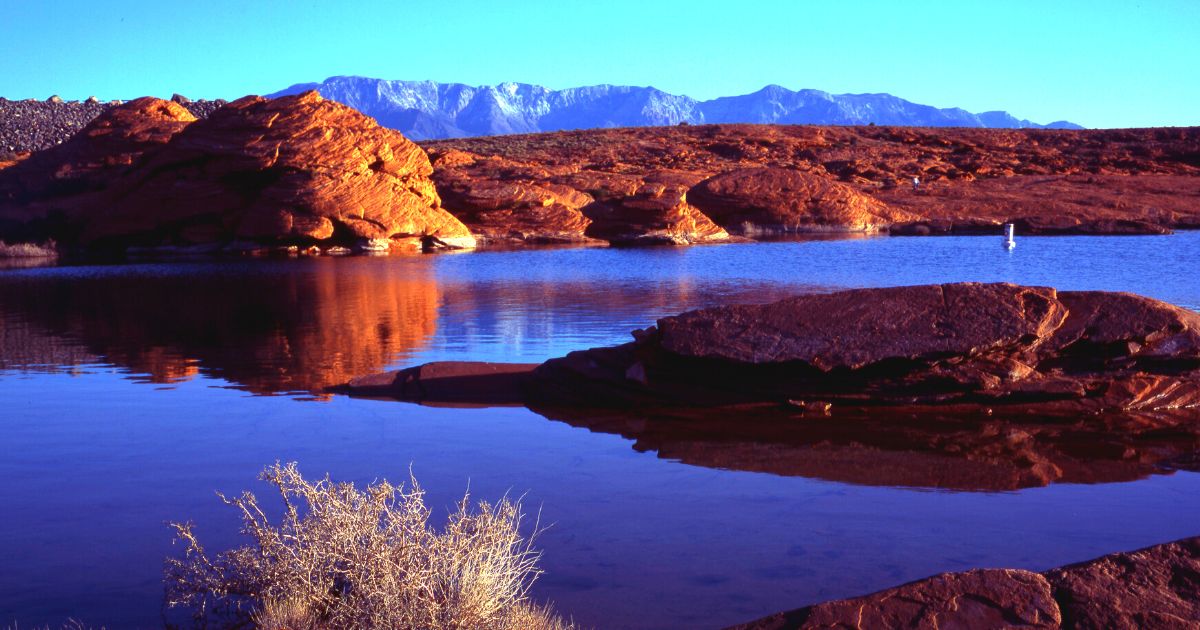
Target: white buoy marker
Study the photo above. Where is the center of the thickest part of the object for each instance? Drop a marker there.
(1009, 231)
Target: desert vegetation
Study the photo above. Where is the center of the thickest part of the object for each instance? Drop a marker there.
(344, 557)
(28, 250)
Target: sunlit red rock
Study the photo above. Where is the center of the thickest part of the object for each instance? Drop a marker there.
(292, 169)
(103, 151)
(500, 202)
(654, 211)
(755, 200)
(1090, 182)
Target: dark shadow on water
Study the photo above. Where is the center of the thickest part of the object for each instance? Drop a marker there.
(952, 452)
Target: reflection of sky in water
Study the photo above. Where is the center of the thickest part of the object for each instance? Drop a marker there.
(94, 462)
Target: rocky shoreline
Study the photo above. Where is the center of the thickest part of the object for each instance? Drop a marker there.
(1155, 587)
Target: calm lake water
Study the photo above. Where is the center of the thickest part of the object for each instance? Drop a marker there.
(129, 394)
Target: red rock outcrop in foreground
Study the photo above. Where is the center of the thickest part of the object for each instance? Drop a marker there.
(993, 348)
(1156, 587)
(1000, 347)
(295, 169)
(805, 178)
(966, 386)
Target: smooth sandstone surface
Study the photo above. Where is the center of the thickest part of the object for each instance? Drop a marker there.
(299, 167)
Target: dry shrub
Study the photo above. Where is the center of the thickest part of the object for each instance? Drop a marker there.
(28, 250)
(345, 558)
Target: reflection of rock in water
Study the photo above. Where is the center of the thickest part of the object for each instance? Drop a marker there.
(291, 327)
(959, 453)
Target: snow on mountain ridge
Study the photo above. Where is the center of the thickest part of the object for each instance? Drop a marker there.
(426, 109)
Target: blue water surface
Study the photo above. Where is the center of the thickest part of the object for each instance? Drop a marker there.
(130, 393)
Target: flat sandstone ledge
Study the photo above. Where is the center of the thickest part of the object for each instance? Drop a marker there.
(990, 349)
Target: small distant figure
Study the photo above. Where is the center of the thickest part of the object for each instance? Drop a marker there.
(916, 184)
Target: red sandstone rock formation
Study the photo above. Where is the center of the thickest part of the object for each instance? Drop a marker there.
(92, 158)
(499, 201)
(1002, 347)
(504, 199)
(292, 169)
(959, 348)
(295, 167)
(1156, 587)
(1094, 181)
(753, 200)
(655, 210)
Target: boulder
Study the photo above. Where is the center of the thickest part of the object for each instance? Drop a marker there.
(852, 329)
(965, 386)
(754, 200)
(966, 349)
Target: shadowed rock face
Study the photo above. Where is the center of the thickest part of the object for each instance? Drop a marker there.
(1156, 587)
(951, 450)
(293, 169)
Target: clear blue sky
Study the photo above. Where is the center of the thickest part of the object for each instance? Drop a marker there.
(1100, 63)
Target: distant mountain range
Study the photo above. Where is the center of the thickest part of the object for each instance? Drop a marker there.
(425, 110)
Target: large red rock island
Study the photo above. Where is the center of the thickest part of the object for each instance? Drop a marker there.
(965, 386)
(998, 349)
